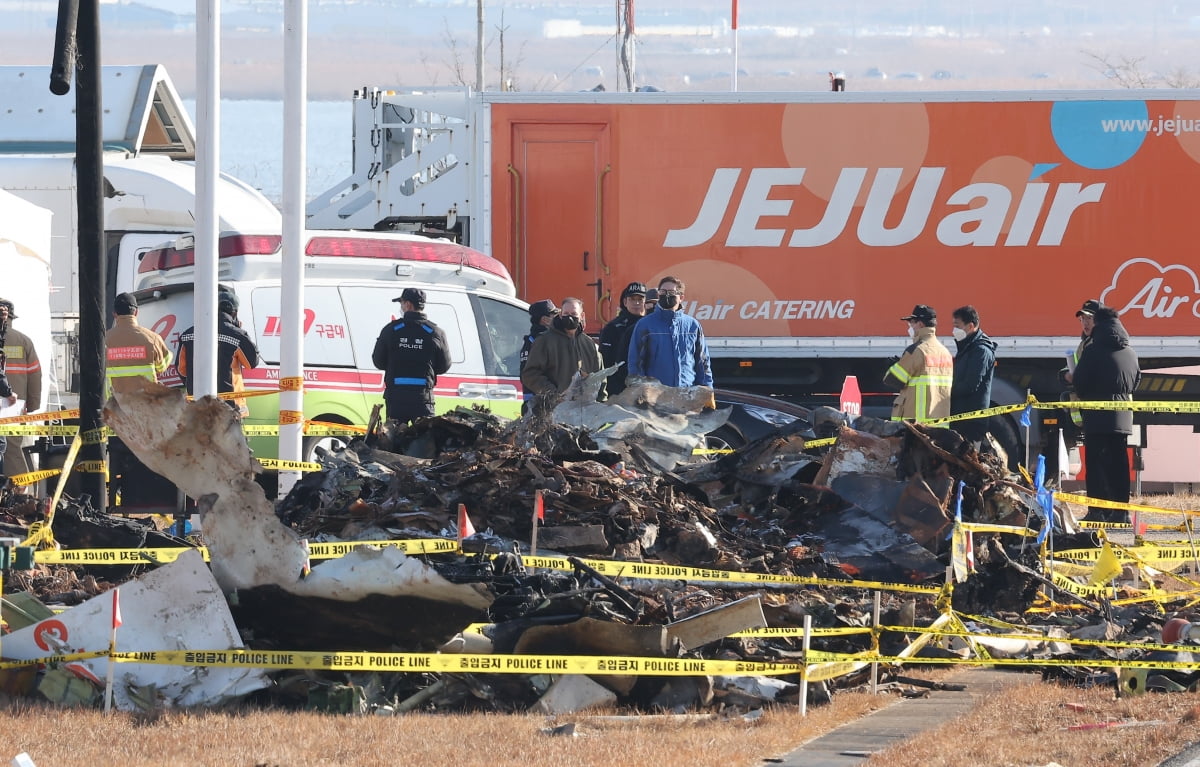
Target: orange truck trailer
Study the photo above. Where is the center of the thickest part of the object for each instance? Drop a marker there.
(806, 224)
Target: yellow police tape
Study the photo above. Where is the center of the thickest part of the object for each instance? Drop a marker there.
(30, 477)
(278, 464)
(54, 659)
(20, 430)
(311, 428)
(1093, 524)
(155, 556)
(56, 415)
(797, 631)
(1161, 554)
(332, 550)
(1084, 500)
(165, 555)
(1143, 407)
(615, 569)
(817, 665)
(985, 527)
(985, 413)
(92, 467)
(810, 443)
(454, 663)
(619, 569)
(1157, 406)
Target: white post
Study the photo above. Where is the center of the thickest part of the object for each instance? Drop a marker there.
(733, 85)
(875, 664)
(804, 672)
(208, 164)
(295, 136)
(112, 648)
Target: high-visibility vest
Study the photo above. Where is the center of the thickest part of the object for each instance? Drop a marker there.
(132, 351)
(926, 373)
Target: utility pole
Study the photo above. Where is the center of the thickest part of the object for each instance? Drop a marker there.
(478, 46)
(625, 53)
(77, 46)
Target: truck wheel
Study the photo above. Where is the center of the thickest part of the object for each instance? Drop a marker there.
(724, 438)
(310, 446)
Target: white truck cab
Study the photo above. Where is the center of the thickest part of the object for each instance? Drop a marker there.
(149, 182)
(350, 282)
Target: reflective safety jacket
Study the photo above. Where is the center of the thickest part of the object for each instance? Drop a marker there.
(235, 352)
(23, 368)
(924, 373)
(132, 351)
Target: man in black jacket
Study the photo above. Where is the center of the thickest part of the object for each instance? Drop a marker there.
(235, 351)
(633, 308)
(974, 363)
(412, 352)
(1107, 371)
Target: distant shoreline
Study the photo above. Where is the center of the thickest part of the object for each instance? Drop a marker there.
(253, 68)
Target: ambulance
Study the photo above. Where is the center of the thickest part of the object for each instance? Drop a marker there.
(351, 281)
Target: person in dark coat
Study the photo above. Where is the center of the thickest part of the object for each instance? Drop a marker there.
(235, 351)
(612, 337)
(974, 364)
(541, 314)
(1107, 371)
(412, 352)
(560, 353)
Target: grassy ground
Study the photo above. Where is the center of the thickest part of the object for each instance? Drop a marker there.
(1032, 724)
(1041, 723)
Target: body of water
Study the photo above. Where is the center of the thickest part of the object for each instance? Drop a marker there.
(252, 144)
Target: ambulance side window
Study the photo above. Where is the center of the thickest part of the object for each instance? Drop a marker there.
(502, 329)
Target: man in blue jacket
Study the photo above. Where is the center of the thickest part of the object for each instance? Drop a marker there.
(668, 344)
(974, 364)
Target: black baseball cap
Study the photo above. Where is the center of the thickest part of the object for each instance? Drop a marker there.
(923, 313)
(633, 289)
(1090, 307)
(543, 308)
(414, 296)
(227, 298)
(125, 303)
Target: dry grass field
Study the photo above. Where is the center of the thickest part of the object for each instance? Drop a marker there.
(1040, 723)
(1032, 724)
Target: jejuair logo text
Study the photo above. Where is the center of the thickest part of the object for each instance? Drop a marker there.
(764, 196)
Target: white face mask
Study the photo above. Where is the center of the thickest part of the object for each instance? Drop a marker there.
(959, 334)
(911, 331)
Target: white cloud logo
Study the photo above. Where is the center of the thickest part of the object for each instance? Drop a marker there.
(1163, 289)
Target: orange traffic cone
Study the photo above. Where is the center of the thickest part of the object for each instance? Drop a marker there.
(465, 528)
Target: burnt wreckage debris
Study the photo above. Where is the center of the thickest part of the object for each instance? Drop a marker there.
(876, 506)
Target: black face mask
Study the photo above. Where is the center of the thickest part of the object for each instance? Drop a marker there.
(565, 323)
(668, 300)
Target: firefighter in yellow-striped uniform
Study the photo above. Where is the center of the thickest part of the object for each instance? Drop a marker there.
(131, 351)
(924, 373)
(21, 364)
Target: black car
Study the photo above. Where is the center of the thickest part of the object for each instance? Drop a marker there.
(753, 416)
